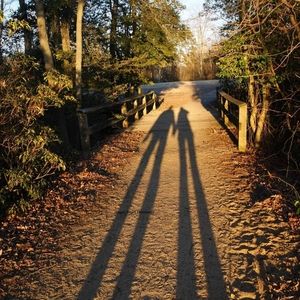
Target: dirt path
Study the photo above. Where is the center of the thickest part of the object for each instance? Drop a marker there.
(179, 225)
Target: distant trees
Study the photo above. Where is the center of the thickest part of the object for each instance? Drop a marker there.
(198, 57)
(198, 63)
(123, 36)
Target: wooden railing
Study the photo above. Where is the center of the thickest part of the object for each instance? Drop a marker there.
(94, 119)
(234, 112)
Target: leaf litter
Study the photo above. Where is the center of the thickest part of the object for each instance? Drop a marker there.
(29, 241)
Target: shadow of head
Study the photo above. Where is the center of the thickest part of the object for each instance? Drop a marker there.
(183, 111)
(162, 125)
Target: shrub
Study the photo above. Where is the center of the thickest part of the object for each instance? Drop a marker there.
(25, 157)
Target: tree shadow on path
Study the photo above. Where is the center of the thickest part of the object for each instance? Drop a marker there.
(186, 277)
(158, 134)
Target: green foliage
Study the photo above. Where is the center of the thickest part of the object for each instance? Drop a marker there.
(61, 55)
(297, 206)
(260, 61)
(147, 34)
(159, 32)
(1, 16)
(55, 91)
(26, 159)
(232, 63)
(14, 25)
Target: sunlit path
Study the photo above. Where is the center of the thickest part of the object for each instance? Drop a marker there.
(164, 245)
(178, 225)
(182, 230)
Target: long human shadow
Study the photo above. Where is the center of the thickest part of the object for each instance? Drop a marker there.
(186, 276)
(158, 135)
(216, 287)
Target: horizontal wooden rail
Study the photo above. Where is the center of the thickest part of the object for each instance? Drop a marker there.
(110, 114)
(233, 111)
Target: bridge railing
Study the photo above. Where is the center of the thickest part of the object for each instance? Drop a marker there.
(94, 119)
(234, 112)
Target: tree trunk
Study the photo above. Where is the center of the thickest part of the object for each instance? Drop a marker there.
(253, 103)
(1, 29)
(27, 33)
(49, 65)
(263, 114)
(252, 98)
(131, 36)
(54, 31)
(65, 37)
(43, 36)
(78, 64)
(113, 28)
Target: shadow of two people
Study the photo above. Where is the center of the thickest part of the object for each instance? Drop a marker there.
(186, 287)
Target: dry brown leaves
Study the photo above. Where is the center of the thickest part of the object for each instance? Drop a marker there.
(271, 192)
(270, 186)
(29, 241)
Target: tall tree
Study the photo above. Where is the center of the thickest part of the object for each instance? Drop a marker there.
(43, 35)
(1, 28)
(26, 32)
(114, 6)
(65, 22)
(49, 66)
(78, 63)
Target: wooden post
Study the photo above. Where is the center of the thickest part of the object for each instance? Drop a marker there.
(139, 90)
(131, 90)
(220, 103)
(154, 103)
(242, 127)
(144, 102)
(225, 102)
(135, 106)
(84, 134)
(226, 106)
(125, 123)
